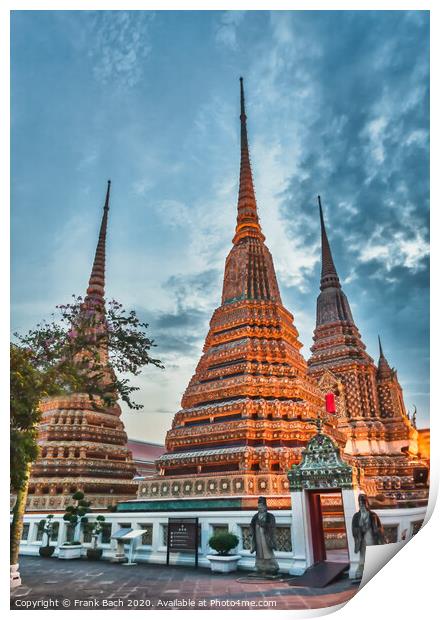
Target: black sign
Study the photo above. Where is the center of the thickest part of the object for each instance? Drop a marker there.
(183, 535)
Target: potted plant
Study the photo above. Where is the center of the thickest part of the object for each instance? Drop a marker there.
(70, 550)
(47, 550)
(74, 516)
(94, 552)
(223, 543)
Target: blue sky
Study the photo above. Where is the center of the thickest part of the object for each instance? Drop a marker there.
(338, 104)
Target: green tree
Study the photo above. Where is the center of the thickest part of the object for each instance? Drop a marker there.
(28, 387)
(76, 514)
(86, 347)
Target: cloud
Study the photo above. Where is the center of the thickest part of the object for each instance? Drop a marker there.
(141, 186)
(344, 116)
(87, 160)
(176, 213)
(226, 28)
(359, 137)
(399, 250)
(180, 331)
(118, 44)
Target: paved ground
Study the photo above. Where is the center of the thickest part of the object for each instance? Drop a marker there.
(81, 584)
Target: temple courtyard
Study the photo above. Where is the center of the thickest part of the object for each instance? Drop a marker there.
(82, 584)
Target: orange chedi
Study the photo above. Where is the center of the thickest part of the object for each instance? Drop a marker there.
(380, 439)
(252, 403)
(82, 447)
(248, 411)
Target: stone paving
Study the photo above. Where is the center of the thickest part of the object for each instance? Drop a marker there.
(82, 584)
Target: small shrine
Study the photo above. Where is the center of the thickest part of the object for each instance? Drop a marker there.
(321, 472)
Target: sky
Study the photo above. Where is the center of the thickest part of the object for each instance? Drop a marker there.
(337, 105)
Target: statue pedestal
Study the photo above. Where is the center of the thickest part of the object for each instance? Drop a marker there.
(119, 556)
(15, 576)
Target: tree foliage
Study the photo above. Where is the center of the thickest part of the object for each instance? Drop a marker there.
(90, 347)
(86, 347)
(77, 512)
(27, 388)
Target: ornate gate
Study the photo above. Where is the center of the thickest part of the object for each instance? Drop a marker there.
(322, 469)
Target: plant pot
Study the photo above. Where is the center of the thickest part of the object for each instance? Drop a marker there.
(94, 554)
(223, 563)
(69, 552)
(46, 551)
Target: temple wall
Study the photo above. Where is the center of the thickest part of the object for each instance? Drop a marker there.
(399, 524)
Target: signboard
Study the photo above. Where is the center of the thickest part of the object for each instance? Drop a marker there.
(183, 535)
(122, 532)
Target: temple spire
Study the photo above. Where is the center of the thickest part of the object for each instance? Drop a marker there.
(380, 347)
(95, 289)
(384, 370)
(248, 224)
(329, 276)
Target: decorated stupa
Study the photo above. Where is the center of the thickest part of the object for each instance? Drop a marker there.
(83, 447)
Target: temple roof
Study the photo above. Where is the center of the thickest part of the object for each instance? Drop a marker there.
(171, 456)
(145, 450)
(321, 466)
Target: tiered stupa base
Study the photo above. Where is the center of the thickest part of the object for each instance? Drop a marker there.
(81, 449)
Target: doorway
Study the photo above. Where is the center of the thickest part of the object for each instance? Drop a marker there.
(327, 523)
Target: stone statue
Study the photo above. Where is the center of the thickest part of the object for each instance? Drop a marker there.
(367, 530)
(414, 417)
(263, 540)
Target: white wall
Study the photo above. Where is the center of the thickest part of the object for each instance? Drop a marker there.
(156, 553)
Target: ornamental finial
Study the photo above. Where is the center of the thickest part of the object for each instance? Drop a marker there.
(248, 224)
(107, 196)
(95, 289)
(329, 275)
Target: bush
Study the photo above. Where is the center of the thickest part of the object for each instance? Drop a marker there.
(46, 552)
(223, 542)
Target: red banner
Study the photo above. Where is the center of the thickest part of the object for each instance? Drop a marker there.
(330, 404)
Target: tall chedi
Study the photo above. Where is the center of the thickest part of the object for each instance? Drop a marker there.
(370, 410)
(244, 414)
(82, 446)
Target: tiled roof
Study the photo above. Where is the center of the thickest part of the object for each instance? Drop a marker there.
(144, 450)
